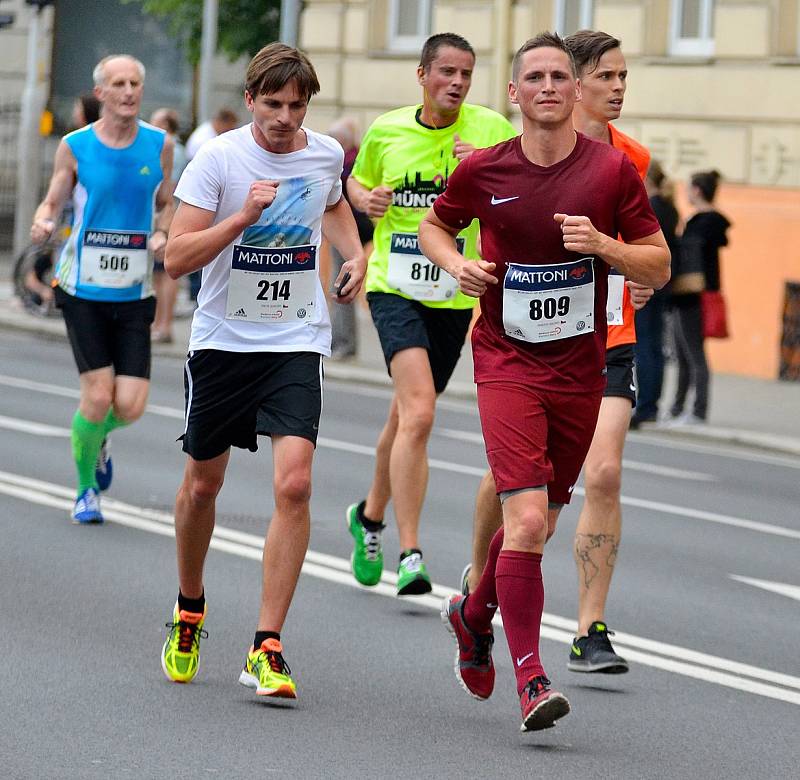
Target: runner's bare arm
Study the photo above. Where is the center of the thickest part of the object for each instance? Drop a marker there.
(165, 202)
(194, 241)
(62, 183)
(645, 260)
(372, 202)
(437, 241)
(340, 229)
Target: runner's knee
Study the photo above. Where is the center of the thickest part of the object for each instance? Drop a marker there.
(527, 529)
(97, 399)
(293, 487)
(203, 488)
(603, 477)
(416, 419)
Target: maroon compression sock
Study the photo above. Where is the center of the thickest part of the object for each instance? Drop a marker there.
(477, 611)
(520, 593)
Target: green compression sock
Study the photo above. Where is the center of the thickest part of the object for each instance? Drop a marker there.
(112, 422)
(86, 440)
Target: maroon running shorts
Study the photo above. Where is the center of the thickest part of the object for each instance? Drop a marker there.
(536, 437)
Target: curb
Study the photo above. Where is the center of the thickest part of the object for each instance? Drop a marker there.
(19, 319)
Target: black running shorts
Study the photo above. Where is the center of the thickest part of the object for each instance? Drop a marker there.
(619, 365)
(402, 324)
(105, 334)
(232, 397)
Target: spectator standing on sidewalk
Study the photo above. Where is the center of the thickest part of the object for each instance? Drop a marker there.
(166, 288)
(650, 319)
(704, 235)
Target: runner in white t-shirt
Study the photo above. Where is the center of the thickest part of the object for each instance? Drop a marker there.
(254, 203)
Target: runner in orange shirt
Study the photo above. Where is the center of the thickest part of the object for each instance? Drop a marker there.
(603, 75)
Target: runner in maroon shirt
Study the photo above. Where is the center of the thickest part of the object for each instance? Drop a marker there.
(549, 203)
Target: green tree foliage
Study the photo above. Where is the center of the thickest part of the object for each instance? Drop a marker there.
(245, 26)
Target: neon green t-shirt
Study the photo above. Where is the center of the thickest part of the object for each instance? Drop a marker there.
(416, 161)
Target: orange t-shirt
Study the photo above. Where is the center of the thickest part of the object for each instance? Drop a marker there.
(640, 157)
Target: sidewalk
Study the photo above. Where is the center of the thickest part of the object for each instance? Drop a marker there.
(753, 412)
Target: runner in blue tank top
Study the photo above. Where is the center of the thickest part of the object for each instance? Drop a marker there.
(118, 173)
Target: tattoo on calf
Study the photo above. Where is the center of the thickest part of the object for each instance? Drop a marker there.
(594, 551)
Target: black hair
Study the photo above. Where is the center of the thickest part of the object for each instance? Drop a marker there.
(707, 182)
(431, 47)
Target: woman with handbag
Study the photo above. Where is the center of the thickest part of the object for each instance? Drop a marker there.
(696, 287)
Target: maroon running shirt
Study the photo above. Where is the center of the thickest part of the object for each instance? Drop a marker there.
(515, 201)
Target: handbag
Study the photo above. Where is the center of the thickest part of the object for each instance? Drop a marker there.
(714, 313)
(688, 274)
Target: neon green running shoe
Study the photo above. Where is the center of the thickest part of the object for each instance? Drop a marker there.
(180, 655)
(267, 672)
(366, 562)
(412, 576)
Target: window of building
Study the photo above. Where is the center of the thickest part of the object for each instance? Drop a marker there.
(409, 24)
(692, 28)
(573, 15)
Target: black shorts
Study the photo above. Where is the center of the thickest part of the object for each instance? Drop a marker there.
(232, 397)
(104, 333)
(402, 323)
(619, 373)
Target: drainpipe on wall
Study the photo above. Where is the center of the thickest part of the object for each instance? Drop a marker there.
(502, 34)
(290, 15)
(208, 48)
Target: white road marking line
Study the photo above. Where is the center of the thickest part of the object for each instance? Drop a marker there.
(784, 589)
(647, 652)
(633, 465)
(473, 471)
(35, 428)
(464, 407)
(716, 449)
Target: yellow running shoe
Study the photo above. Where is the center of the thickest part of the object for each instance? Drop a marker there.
(267, 672)
(180, 655)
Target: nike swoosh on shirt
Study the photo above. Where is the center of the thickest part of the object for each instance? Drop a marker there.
(491, 606)
(522, 660)
(497, 201)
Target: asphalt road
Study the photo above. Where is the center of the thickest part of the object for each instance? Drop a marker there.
(704, 602)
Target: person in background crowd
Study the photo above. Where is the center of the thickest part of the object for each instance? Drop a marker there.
(343, 318)
(224, 120)
(85, 110)
(705, 233)
(650, 319)
(166, 288)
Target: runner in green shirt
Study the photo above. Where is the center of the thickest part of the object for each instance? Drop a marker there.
(422, 319)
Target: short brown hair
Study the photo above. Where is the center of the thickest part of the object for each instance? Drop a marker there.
(431, 47)
(275, 66)
(549, 40)
(588, 46)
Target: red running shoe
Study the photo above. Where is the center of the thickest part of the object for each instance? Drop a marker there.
(541, 707)
(473, 667)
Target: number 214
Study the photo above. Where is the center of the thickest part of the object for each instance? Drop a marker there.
(271, 291)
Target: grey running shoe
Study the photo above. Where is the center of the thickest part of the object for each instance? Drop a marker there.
(594, 653)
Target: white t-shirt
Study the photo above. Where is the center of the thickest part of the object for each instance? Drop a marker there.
(262, 292)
